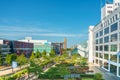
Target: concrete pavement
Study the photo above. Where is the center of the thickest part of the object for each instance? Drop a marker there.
(106, 75)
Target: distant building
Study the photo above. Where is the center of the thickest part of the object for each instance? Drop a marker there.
(39, 45)
(57, 47)
(4, 50)
(17, 47)
(65, 43)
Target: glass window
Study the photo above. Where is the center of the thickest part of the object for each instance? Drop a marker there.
(96, 54)
(114, 48)
(113, 69)
(101, 40)
(101, 33)
(96, 48)
(101, 48)
(106, 30)
(116, 17)
(113, 58)
(114, 37)
(97, 61)
(97, 41)
(106, 56)
(114, 27)
(119, 59)
(106, 65)
(106, 48)
(101, 55)
(96, 35)
(106, 39)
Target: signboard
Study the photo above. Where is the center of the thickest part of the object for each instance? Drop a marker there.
(14, 64)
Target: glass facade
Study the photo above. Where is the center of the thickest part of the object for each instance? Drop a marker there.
(105, 65)
(113, 58)
(97, 41)
(101, 33)
(114, 37)
(106, 39)
(101, 40)
(101, 55)
(96, 54)
(114, 27)
(101, 48)
(106, 56)
(96, 35)
(42, 47)
(106, 30)
(114, 48)
(113, 69)
(106, 48)
(96, 48)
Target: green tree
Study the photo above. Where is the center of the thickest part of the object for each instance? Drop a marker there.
(1, 62)
(32, 57)
(21, 60)
(44, 53)
(37, 54)
(8, 59)
(13, 57)
(34, 68)
(52, 53)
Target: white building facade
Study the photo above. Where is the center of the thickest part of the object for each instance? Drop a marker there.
(104, 40)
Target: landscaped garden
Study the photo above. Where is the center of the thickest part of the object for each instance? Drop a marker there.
(52, 67)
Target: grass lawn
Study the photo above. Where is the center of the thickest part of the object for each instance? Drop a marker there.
(87, 79)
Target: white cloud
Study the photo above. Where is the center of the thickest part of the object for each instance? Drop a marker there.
(22, 29)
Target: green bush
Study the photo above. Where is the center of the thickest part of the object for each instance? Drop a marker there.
(87, 75)
(98, 76)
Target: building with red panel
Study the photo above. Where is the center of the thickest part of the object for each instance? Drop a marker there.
(19, 47)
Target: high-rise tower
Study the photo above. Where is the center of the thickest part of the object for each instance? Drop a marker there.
(65, 43)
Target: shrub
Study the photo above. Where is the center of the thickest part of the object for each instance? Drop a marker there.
(98, 76)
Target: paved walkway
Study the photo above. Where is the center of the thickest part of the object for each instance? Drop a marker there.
(106, 75)
(10, 71)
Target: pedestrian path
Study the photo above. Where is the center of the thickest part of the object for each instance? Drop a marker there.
(106, 75)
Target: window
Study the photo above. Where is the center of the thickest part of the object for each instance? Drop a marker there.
(101, 33)
(113, 58)
(116, 17)
(106, 30)
(97, 41)
(101, 48)
(101, 40)
(114, 37)
(96, 54)
(106, 39)
(114, 48)
(101, 55)
(114, 27)
(105, 65)
(96, 48)
(96, 35)
(106, 48)
(106, 56)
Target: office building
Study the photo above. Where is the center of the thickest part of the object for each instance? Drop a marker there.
(104, 39)
(39, 45)
(17, 47)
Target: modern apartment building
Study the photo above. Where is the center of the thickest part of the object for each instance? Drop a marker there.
(104, 39)
(39, 45)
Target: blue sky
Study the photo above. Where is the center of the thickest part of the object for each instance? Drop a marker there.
(48, 19)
